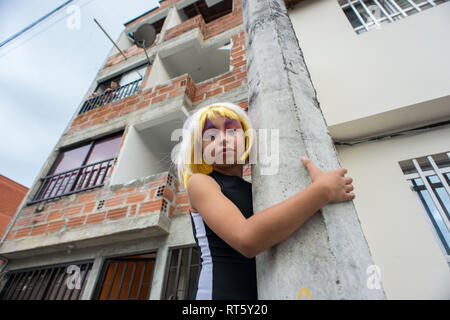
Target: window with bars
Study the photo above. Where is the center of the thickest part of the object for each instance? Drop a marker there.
(182, 272)
(429, 178)
(126, 278)
(79, 168)
(365, 15)
(58, 282)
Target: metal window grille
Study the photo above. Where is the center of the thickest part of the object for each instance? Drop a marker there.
(126, 278)
(183, 270)
(59, 282)
(115, 95)
(365, 15)
(429, 178)
(86, 177)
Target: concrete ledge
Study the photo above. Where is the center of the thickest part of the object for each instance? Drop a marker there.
(145, 226)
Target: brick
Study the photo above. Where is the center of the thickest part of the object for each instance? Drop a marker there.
(233, 85)
(54, 226)
(73, 210)
(213, 93)
(117, 201)
(240, 63)
(23, 232)
(133, 198)
(124, 190)
(168, 194)
(117, 213)
(23, 222)
(227, 80)
(159, 98)
(182, 198)
(150, 206)
(89, 207)
(177, 92)
(86, 197)
(132, 210)
(40, 229)
(76, 222)
(54, 215)
(198, 98)
(96, 217)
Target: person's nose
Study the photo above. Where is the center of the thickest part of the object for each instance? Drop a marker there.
(226, 139)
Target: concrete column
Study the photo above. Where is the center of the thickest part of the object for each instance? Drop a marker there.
(328, 255)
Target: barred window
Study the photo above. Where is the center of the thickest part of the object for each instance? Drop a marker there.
(365, 15)
(428, 177)
(58, 282)
(183, 270)
(126, 278)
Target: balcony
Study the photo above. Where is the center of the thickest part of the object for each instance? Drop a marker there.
(111, 96)
(72, 181)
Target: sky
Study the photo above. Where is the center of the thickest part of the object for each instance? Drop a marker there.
(45, 73)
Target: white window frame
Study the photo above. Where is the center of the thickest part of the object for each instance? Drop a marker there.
(371, 14)
(422, 175)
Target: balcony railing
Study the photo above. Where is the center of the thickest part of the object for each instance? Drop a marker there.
(114, 95)
(80, 179)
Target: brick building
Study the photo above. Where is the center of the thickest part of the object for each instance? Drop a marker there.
(11, 194)
(107, 205)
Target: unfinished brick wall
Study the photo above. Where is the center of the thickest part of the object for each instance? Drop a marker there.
(208, 30)
(104, 205)
(180, 85)
(101, 205)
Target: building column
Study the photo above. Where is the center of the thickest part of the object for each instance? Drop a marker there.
(328, 256)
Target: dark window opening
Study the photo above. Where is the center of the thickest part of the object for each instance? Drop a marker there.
(158, 25)
(209, 13)
(183, 270)
(126, 278)
(80, 168)
(59, 282)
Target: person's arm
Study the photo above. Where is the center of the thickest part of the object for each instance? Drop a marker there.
(271, 225)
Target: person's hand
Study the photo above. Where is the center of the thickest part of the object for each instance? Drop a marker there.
(336, 186)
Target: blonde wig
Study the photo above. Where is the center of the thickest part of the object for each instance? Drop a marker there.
(192, 138)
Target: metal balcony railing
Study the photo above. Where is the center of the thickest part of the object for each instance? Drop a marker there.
(80, 179)
(115, 95)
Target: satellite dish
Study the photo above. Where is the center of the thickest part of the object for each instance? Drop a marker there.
(144, 35)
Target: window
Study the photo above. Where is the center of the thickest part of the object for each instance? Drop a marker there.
(59, 282)
(429, 178)
(80, 168)
(210, 9)
(126, 278)
(182, 273)
(115, 89)
(365, 15)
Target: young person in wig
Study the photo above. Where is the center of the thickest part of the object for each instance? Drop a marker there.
(215, 147)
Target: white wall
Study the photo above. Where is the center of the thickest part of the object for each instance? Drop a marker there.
(134, 160)
(404, 63)
(394, 222)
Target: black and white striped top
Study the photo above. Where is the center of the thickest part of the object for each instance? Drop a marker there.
(225, 273)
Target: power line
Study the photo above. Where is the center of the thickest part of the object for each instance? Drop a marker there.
(35, 35)
(34, 23)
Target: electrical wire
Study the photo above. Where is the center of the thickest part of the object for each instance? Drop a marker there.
(38, 33)
(18, 34)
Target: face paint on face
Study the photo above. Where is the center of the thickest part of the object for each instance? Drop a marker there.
(208, 125)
